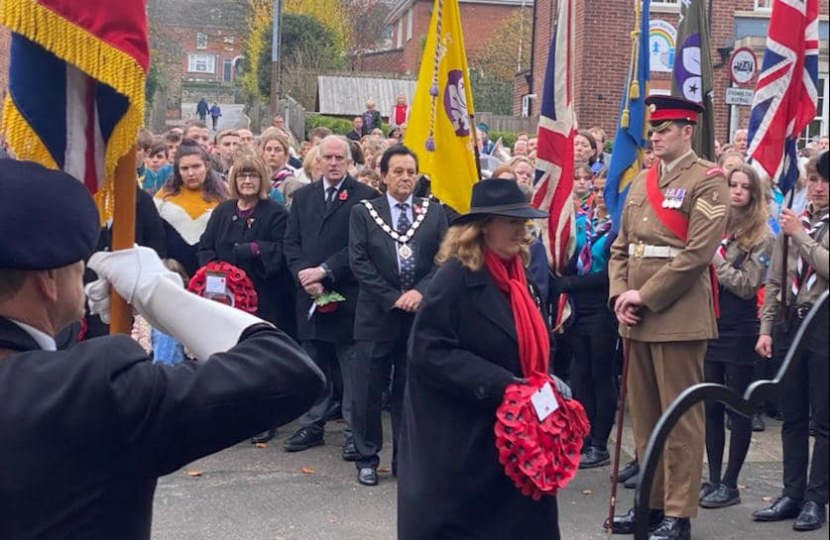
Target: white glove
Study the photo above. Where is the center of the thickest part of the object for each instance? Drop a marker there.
(138, 275)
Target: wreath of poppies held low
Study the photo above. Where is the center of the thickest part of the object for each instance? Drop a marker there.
(540, 457)
(329, 302)
(238, 284)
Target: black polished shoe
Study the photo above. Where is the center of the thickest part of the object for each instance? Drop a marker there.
(594, 457)
(264, 437)
(721, 497)
(758, 424)
(783, 508)
(367, 476)
(350, 452)
(625, 524)
(304, 439)
(673, 528)
(811, 517)
(705, 489)
(632, 482)
(632, 468)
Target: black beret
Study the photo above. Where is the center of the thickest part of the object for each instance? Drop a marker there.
(47, 218)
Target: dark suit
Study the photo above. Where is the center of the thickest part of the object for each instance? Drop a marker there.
(316, 235)
(463, 354)
(381, 329)
(115, 422)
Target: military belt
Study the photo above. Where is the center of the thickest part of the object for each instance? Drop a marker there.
(645, 251)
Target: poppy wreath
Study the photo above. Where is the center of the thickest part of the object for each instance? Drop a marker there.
(540, 457)
(238, 284)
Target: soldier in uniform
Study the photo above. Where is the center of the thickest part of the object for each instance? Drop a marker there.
(661, 292)
(113, 420)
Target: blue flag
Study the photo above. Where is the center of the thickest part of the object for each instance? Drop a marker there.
(630, 140)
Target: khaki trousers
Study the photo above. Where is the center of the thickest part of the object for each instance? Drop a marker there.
(657, 374)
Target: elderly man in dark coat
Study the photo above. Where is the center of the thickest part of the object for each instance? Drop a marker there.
(317, 252)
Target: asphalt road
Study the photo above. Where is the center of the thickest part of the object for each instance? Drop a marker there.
(266, 494)
(232, 117)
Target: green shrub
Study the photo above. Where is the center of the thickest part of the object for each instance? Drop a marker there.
(509, 138)
(338, 126)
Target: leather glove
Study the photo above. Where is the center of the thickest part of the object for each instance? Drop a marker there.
(138, 275)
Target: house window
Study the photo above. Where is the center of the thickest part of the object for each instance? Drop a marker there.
(763, 5)
(201, 63)
(227, 70)
(409, 18)
(400, 32)
(818, 127)
(201, 40)
(228, 39)
(665, 3)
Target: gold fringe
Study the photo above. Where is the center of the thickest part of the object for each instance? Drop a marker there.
(99, 60)
(23, 140)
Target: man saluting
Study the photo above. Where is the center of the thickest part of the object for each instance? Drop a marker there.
(661, 292)
(115, 421)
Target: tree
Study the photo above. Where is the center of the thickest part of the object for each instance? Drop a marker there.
(496, 65)
(260, 19)
(333, 14)
(367, 24)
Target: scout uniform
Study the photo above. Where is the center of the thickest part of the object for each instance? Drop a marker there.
(672, 224)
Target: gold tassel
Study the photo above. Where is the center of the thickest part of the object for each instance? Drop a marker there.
(624, 119)
(634, 91)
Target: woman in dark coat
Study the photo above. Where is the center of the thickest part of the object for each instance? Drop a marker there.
(247, 231)
(464, 352)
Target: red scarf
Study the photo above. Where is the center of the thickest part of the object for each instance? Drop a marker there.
(534, 342)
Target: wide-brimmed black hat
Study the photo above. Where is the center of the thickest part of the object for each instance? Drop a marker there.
(498, 197)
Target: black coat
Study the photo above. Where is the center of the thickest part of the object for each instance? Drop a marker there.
(115, 422)
(374, 262)
(228, 238)
(315, 236)
(463, 354)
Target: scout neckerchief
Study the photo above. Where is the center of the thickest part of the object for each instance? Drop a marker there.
(667, 212)
(595, 229)
(805, 273)
(401, 238)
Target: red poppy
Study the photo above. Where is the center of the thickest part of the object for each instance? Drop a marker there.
(343, 195)
(238, 284)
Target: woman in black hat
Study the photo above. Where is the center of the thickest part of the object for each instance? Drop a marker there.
(478, 314)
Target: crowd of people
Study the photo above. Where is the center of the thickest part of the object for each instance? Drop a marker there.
(402, 303)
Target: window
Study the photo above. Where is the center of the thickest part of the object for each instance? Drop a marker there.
(818, 127)
(227, 70)
(400, 33)
(228, 39)
(666, 3)
(763, 5)
(201, 63)
(201, 40)
(409, 18)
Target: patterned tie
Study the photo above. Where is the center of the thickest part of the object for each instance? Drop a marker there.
(407, 266)
(330, 196)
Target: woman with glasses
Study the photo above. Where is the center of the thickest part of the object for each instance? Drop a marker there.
(247, 231)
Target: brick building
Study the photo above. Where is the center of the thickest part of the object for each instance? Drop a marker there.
(409, 23)
(602, 54)
(198, 43)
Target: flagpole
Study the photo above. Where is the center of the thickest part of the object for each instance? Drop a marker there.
(475, 145)
(123, 233)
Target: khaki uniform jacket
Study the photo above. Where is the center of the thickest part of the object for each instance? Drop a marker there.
(677, 292)
(815, 252)
(745, 280)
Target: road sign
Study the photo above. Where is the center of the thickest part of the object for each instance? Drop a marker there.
(739, 96)
(742, 66)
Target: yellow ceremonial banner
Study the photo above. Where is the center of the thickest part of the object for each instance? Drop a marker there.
(439, 127)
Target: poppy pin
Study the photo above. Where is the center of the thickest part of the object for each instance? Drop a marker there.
(343, 195)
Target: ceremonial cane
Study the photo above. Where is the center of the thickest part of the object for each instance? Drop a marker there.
(618, 444)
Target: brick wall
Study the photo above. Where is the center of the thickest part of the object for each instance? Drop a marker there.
(520, 88)
(381, 62)
(478, 22)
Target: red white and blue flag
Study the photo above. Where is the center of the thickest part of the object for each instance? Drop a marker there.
(555, 150)
(76, 85)
(785, 96)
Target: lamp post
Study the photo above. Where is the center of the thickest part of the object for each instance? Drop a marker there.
(275, 57)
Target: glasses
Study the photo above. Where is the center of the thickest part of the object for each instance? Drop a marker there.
(246, 174)
(333, 157)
